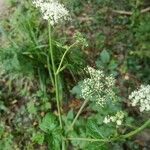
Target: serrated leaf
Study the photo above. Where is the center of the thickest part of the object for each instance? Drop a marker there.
(54, 139)
(107, 131)
(46, 106)
(93, 130)
(105, 57)
(77, 90)
(38, 138)
(48, 123)
(31, 107)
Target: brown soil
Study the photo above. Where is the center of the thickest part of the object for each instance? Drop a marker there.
(2, 8)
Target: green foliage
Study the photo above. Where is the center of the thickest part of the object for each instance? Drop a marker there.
(117, 44)
(95, 131)
(139, 54)
(31, 108)
(105, 62)
(76, 90)
(141, 32)
(54, 139)
(38, 137)
(27, 48)
(105, 57)
(80, 39)
(49, 123)
(6, 139)
(50, 126)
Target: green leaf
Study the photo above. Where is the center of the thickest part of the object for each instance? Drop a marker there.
(99, 131)
(105, 57)
(77, 90)
(70, 115)
(112, 65)
(99, 64)
(38, 138)
(54, 139)
(48, 123)
(46, 106)
(31, 107)
(93, 130)
(107, 131)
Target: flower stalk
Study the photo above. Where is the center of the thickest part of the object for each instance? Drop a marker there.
(56, 82)
(63, 57)
(79, 112)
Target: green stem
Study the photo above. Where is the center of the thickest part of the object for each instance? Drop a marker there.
(49, 71)
(128, 135)
(137, 130)
(57, 99)
(63, 144)
(87, 139)
(79, 112)
(63, 57)
(50, 47)
(54, 72)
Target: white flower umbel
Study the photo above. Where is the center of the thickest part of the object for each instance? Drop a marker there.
(117, 119)
(141, 98)
(52, 10)
(107, 120)
(98, 87)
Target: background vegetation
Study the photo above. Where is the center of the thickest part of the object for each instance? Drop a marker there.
(118, 44)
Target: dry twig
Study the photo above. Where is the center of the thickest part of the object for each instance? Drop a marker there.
(129, 13)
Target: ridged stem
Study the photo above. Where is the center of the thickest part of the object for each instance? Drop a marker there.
(54, 72)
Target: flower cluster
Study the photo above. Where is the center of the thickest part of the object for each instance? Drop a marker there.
(98, 87)
(118, 118)
(52, 10)
(141, 98)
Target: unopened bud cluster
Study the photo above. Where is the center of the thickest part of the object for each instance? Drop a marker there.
(118, 118)
(141, 98)
(52, 10)
(80, 39)
(98, 87)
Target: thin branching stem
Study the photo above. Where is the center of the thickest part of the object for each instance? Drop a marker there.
(132, 133)
(63, 57)
(79, 112)
(121, 137)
